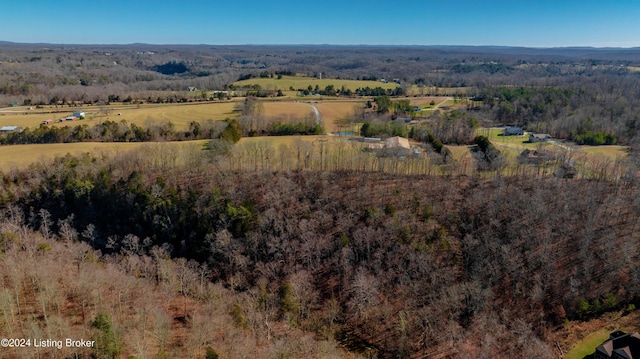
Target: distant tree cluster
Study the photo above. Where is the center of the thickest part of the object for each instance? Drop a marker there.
(383, 129)
(171, 68)
(379, 91)
(112, 131)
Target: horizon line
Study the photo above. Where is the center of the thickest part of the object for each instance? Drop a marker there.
(6, 42)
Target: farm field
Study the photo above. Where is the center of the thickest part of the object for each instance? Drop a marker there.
(179, 114)
(519, 143)
(297, 82)
(20, 156)
(334, 111)
(287, 109)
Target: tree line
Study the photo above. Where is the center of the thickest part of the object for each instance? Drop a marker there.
(112, 131)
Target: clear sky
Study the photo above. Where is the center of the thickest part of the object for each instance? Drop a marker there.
(533, 23)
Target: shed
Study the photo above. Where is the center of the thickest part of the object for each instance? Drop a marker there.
(8, 129)
(79, 114)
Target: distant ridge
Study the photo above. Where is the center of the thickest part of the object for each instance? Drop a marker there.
(439, 46)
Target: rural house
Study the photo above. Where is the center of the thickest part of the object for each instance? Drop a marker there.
(513, 131)
(79, 114)
(396, 146)
(397, 142)
(539, 137)
(620, 345)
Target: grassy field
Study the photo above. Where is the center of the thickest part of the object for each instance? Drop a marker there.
(20, 156)
(287, 109)
(298, 82)
(179, 114)
(587, 345)
(334, 111)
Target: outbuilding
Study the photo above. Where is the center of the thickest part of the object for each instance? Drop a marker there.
(539, 137)
(513, 131)
(9, 129)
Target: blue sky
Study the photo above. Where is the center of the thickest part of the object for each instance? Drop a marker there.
(534, 23)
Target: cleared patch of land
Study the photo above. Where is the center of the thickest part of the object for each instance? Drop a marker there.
(179, 114)
(287, 109)
(20, 156)
(334, 111)
(144, 115)
(297, 82)
(425, 102)
(588, 345)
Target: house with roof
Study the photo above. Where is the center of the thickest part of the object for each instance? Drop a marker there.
(539, 137)
(397, 142)
(396, 146)
(513, 131)
(620, 345)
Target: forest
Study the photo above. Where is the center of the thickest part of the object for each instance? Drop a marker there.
(388, 265)
(316, 249)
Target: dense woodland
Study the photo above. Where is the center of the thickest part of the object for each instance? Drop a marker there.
(313, 251)
(386, 264)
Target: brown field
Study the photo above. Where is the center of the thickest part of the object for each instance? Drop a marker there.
(333, 111)
(612, 152)
(20, 156)
(420, 101)
(287, 109)
(179, 114)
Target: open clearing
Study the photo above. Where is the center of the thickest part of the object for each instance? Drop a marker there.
(588, 345)
(179, 114)
(144, 115)
(20, 156)
(297, 82)
(287, 109)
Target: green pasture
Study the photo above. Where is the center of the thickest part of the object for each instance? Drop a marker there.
(298, 82)
(587, 346)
